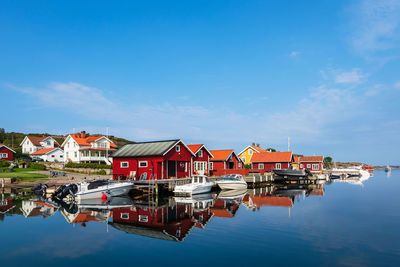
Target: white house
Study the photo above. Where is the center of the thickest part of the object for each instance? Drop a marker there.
(54, 154)
(31, 144)
(81, 148)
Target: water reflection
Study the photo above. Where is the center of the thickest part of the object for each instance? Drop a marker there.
(170, 218)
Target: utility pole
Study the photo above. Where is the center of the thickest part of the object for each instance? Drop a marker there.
(288, 143)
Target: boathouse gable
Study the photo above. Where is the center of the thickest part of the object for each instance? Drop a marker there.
(6, 153)
(152, 160)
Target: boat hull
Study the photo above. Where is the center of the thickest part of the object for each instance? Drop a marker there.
(193, 190)
(232, 185)
(109, 192)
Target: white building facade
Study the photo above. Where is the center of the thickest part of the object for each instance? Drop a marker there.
(54, 154)
(31, 144)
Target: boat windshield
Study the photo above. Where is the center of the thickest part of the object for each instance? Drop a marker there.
(96, 184)
(230, 178)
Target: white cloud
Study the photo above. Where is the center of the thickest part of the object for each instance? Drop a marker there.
(294, 53)
(308, 121)
(353, 76)
(397, 85)
(376, 25)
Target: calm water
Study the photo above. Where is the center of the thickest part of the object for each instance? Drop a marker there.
(333, 224)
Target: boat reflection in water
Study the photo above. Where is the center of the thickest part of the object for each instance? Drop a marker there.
(169, 218)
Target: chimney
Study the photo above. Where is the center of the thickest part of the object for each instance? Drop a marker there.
(254, 144)
(258, 145)
(83, 134)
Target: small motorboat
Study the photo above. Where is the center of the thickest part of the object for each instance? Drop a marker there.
(199, 184)
(231, 182)
(290, 173)
(94, 189)
(230, 195)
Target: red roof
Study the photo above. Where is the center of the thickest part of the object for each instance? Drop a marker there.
(87, 140)
(312, 159)
(272, 157)
(1, 145)
(259, 149)
(43, 151)
(36, 140)
(221, 155)
(194, 148)
(222, 213)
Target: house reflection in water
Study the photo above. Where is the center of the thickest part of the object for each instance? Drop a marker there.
(165, 222)
(31, 208)
(6, 205)
(224, 208)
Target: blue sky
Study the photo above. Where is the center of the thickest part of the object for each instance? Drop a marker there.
(223, 73)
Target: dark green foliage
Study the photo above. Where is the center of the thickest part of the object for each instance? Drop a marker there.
(87, 165)
(2, 135)
(101, 172)
(271, 149)
(327, 159)
(37, 166)
(247, 166)
(4, 163)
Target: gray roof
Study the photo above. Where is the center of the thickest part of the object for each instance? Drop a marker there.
(145, 149)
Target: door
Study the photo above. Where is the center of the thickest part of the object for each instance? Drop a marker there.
(171, 169)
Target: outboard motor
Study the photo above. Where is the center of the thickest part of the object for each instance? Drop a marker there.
(40, 189)
(58, 190)
(65, 190)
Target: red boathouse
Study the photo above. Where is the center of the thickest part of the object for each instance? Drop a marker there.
(201, 159)
(269, 161)
(314, 164)
(152, 160)
(6, 153)
(223, 161)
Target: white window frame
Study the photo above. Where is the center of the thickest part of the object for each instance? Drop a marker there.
(144, 161)
(260, 166)
(243, 159)
(211, 166)
(143, 218)
(308, 166)
(178, 148)
(315, 167)
(122, 164)
(200, 154)
(124, 216)
(301, 165)
(278, 166)
(250, 152)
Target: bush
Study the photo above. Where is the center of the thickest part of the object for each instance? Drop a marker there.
(247, 166)
(101, 172)
(4, 163)
(37, 166)
(87, 165)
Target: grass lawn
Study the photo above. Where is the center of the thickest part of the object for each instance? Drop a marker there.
(23, 175)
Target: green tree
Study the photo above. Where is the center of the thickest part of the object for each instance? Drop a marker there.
(2, 135)
(270, 149)
(327, 159)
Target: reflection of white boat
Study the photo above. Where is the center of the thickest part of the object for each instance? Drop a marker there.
(356, 180)
(110, 203)
(232, 181)
(388, 168)
(236, 194)
(199, 184)
(96, 189)
(199, 201)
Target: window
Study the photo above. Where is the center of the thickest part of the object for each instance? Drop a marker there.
(211, 166)
(178, 148)
(125, 216)
(75, 154)
(301, 165)
(200, 154)
(52, 156)
(143, 218)
(67, 154)
(3, 155)
(278, 166)
(250, 152)
(124, 164)
(260, 166)
(142, 164)
(315, 166)
(61, 156)
(308, 165)
(243, 159)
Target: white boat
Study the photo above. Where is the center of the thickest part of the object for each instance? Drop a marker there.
(199, 184)
(388, 168)
(97, 189)
(232, 181)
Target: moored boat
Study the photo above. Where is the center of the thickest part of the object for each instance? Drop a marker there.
(231, 182)
(290, 173)
(199, 184)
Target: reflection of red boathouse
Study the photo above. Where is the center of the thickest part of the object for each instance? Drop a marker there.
(225, 209)
(6, 205)
(168, 223)
(257, 201)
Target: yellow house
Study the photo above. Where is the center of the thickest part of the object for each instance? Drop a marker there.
(248, 152)
(296, 162)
